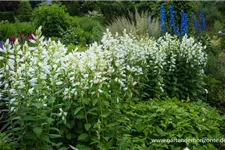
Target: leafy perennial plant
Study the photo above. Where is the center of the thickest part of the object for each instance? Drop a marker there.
(57, 99)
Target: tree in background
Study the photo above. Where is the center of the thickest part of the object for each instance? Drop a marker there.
(9, 5)
(24, 12)
(35, 2)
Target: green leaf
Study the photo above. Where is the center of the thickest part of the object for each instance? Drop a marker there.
(28, 118)
(106, 94)
(50, 120)
(86, 101)
(54, 136)
(45, 138)
(46, 147)
(94, 102)
(93, 111)
(83, 137)
(80, 115)
(109, 144)
(77, 110)
(38, 105)
(160, 131)
(73, 148)
(55, 129)
(68, 136)
(110, 125)
(87, 126)
(105, 114)
(94, 139)
(37, 87)
(37, 131)
(51, 100)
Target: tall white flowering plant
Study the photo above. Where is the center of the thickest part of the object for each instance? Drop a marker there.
(183, 67)
(58, 99)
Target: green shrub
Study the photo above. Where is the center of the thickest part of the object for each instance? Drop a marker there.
(216, 92)
(7, 16)
(6, 142)
(170, 119)
(53, 19)
(215, 71)
(86, 31)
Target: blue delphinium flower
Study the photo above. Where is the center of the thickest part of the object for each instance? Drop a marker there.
(171, 18)
(1, 44)
(195, 22)
(162, 20)
(176, 31)
(202, 20)
(184, 23)
(150, 19)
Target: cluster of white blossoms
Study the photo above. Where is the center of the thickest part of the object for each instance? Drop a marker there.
(45, 68)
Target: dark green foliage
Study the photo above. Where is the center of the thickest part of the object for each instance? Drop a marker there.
(7, 16)
(24, 12)
(169, 119)
(35, 3)
(53, 19)
(216, 92)
(73, 7)
(212, 13)
(215, 81)
(9, 5)
(214, 70)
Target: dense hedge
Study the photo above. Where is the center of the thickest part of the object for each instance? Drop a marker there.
(7, 16)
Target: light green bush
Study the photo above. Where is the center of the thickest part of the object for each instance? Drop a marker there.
(52, 18)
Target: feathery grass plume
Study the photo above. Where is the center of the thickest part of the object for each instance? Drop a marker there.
(154, 30)
(136, 23)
